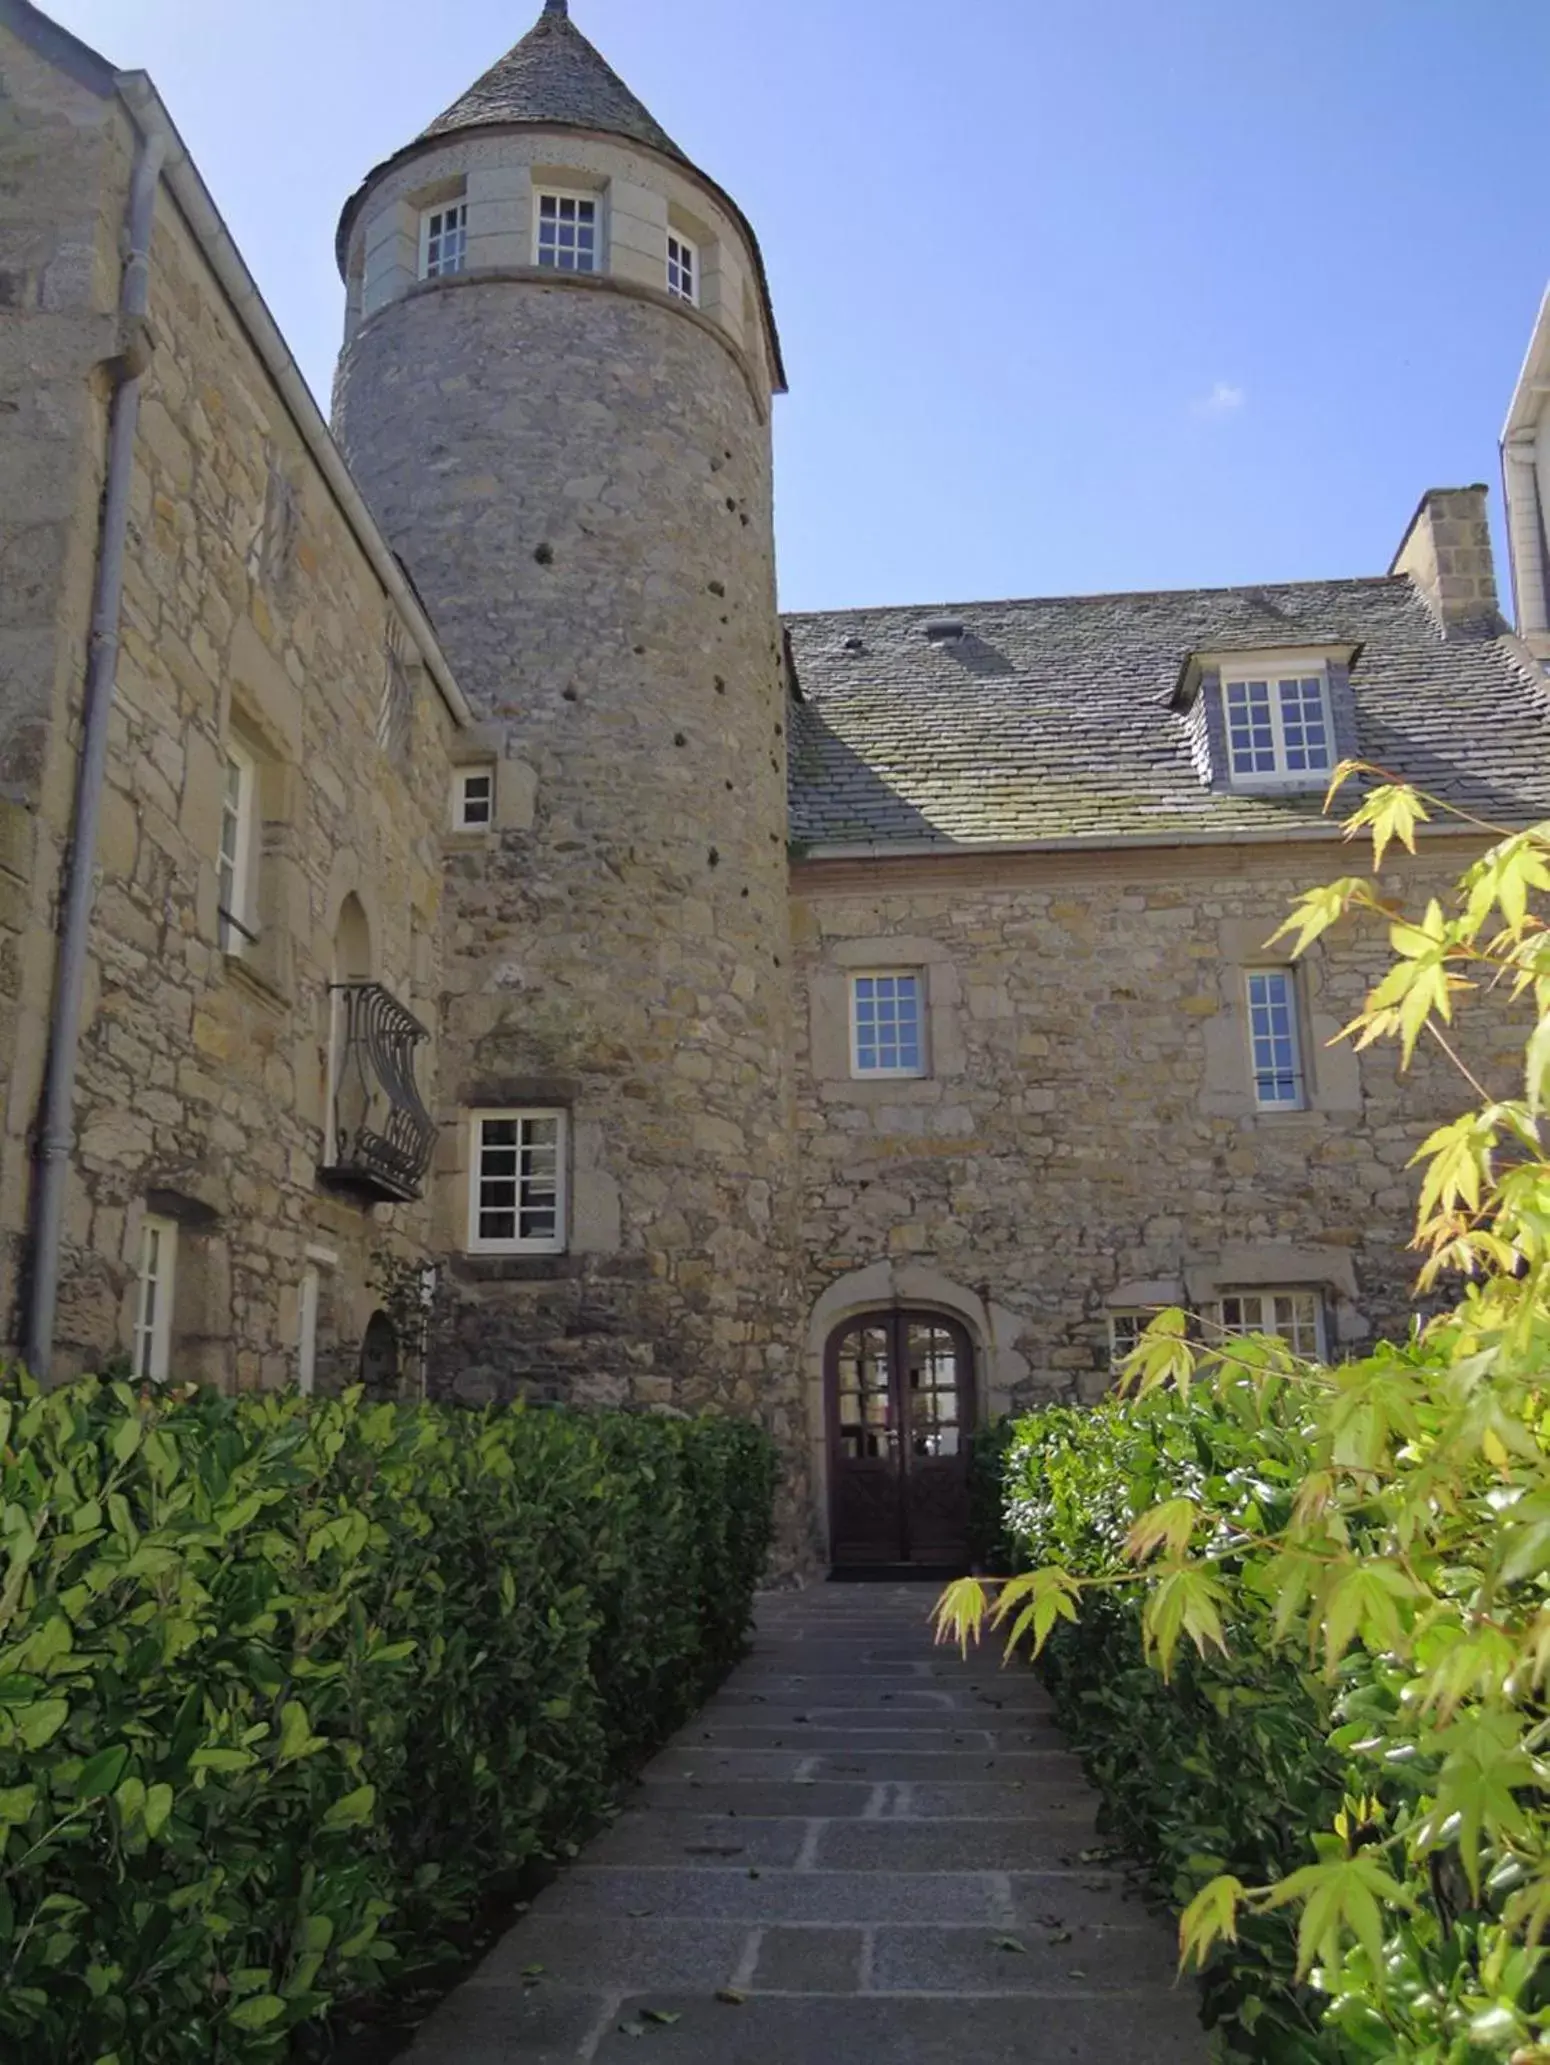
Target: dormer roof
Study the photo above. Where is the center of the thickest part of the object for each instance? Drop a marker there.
(555, 75)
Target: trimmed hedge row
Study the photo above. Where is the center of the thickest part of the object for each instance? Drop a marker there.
(1227, 1766)
(285, 1685)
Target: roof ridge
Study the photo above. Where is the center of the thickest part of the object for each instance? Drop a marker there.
(879, 609)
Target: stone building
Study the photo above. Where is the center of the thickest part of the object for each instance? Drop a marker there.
(861, 1020)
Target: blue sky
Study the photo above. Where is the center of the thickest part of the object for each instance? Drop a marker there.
(1075, 294)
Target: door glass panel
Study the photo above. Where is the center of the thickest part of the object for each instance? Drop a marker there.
(931, 1354)
(868, 1425)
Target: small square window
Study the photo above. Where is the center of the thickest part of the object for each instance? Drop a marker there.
(474, 808)
(517, 1183)
(1275, 1040)
(153, 1306)
(1296, 1317)
(444, 240)
(1125, 1331)
(887, 1017)
(1278, 728)
(567, 232)
(683, 270)
(234, 868)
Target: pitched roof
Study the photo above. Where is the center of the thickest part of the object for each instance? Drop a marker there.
(555, 75)
(1051, 719)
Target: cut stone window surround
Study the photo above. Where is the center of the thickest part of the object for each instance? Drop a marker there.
(1331, 1072)
(1269, 720)
(830, 1025)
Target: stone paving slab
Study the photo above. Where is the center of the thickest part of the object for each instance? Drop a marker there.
(886, 1854)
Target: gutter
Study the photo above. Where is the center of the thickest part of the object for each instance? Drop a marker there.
(1104, 842)
(57, 1137)
(214, 239)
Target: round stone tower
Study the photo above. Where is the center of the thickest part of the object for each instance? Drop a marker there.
(555, 392)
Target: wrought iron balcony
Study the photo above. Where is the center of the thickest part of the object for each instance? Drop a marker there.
(380, 1135)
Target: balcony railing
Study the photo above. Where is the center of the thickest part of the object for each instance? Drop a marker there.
(380, 1136)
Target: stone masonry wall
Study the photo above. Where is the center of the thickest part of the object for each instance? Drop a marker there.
(250, 612)
(579, 478)
(58, 290)
(1088, 1123)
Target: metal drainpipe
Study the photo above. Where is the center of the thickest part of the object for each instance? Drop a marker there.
(57, 1137)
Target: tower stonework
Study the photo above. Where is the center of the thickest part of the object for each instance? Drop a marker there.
(575, 467)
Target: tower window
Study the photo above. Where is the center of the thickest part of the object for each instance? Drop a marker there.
(516, 1199)
(886, 1015)
(474, 803)
(443, 240)
(683, 270)
(567, 232)
(1278, 730)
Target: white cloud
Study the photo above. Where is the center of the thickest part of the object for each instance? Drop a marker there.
(1223, 400)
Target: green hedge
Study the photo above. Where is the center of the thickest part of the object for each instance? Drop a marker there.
(1227, 1766)
(285, 1686)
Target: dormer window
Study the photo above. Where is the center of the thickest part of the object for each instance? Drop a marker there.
(1278, 726)
(567, 232)
(443, 240)
(683, 270)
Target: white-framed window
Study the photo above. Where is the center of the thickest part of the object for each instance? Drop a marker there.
(567, 232)
(235, 868)
(1296, 1316)
(473, 805)
(1278, 724)
(1275, 1040)
(517, 1183)
(153, 1305)
(307, 1330)
(887, 1023)
(683, 269)
(443, 240)
(1125, 1331)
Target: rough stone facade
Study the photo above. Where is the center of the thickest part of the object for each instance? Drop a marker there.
(578, 471)
(1032, 807)
(1087, 1139)
(250, 613)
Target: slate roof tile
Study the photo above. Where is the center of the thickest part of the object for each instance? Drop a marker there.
(555, 75)
(1050, 719)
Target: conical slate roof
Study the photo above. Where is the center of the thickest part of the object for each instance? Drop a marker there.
(555, 75)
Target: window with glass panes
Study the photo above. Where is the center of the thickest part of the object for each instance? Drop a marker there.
(475, 801)
(1125, 1331)
(1275, 1043)
(1297, 1317)
(683, 269)
(153, 1310)
(234, 870)
(1278, 727)
(567, 232)
(887, 1024)
(444, 240)
(517, 1183)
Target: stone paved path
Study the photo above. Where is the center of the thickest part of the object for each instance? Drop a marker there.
(850, 1836)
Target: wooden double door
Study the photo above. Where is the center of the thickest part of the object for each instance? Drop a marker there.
(900, 1389)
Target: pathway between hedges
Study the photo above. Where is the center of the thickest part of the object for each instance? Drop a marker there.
(887, 1852)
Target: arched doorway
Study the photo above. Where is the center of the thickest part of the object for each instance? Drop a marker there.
(900, 1396)
(381, 1362)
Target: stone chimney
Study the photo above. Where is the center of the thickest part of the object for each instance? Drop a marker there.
(1447, 553)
